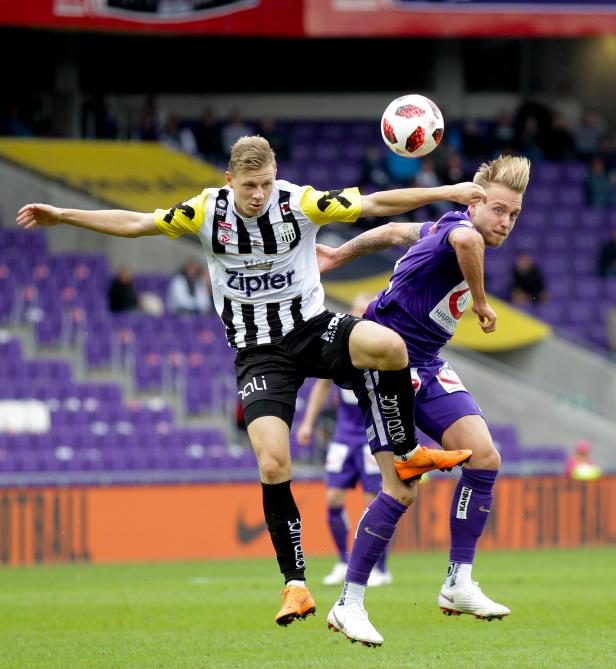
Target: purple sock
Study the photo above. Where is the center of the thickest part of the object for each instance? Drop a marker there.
(339, 527)
(375, 529)
(382, 561)
(470, 509)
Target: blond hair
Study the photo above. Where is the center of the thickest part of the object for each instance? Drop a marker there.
(510, 171)
(251, 153)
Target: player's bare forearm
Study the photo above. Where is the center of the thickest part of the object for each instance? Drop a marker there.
(470, 250)
(117, 222)
(393, 202)
(372, 241)
(316, 400)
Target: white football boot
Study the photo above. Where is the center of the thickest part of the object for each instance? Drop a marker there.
(352, 621)
(337, 575)
(468, 598)
(378, 578)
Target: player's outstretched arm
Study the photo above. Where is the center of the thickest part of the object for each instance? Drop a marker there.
(377, 239)
(116, 222)
(316, 400)
(470, 250)
(393, 202)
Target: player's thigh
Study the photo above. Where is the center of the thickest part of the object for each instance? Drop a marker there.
(472, 432)
(373, 346)
(269, 436)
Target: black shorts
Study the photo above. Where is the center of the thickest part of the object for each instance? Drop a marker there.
(269, 375)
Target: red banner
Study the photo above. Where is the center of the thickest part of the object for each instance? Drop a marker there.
(394, 18)
(280, 18)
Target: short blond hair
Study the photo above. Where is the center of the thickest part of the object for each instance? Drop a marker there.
(251, 153)
(510, 171)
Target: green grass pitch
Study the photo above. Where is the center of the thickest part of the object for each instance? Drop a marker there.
(218, 615)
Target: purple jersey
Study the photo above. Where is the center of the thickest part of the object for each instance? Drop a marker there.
(427, 293)
(350, 426)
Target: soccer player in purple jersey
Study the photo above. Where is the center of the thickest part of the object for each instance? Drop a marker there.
(348, 461)
(431, 286)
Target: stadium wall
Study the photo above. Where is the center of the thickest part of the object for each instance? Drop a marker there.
(218, 521)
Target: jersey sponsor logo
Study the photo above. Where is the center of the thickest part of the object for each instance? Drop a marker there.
(252, 387)
(287, 232)
(332, 328)
(224, 238)
(449, 310)
(295, 533)
(390, 409)
(225, 224)
(336, 456)
(254, 283)
(463, 502)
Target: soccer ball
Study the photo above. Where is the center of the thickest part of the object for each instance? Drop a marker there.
(412, 126)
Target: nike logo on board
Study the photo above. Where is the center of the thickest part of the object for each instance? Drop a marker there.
(248, 533)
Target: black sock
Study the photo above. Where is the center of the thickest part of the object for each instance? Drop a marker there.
(285, 528)
(396, 399)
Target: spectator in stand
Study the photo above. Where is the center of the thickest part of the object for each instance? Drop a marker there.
(148, 130)
(559, 144)
(97, 119)
(277, 138)
(373, 171)
(233, 130)
(567, 107)
(532, 108)
(598, 185)
(427, 177)
(473, 141)
(588, 134)
(208, 136)
(177, 137)
(453, 169)
(606, 262)
(527, 281)
(529, 139)
(122, 293)
(14, 124)
(579, 466)
(401, 171)
(187, 292)
(503, 133)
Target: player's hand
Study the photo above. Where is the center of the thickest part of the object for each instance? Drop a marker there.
(487, 316)
(31, 215)
(467, 193)
(304, 434)
(327, 258)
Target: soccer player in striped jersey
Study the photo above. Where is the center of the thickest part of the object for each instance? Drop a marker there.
(258, 237)
(430, 288)
(349, 461)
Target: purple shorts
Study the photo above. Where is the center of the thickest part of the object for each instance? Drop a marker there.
(346, 464)
(440, 398)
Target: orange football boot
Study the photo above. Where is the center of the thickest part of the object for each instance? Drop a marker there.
(425, 460)
(297, 603)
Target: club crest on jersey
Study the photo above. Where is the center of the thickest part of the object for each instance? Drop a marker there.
(287, 232)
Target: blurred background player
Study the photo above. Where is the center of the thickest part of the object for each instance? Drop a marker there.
(348, 462)
(430, 289)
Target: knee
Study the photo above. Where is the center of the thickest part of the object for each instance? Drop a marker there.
(273, 469)
(488, 458)
(404, 493)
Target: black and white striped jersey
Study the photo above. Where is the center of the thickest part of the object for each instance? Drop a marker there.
(264, 271)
